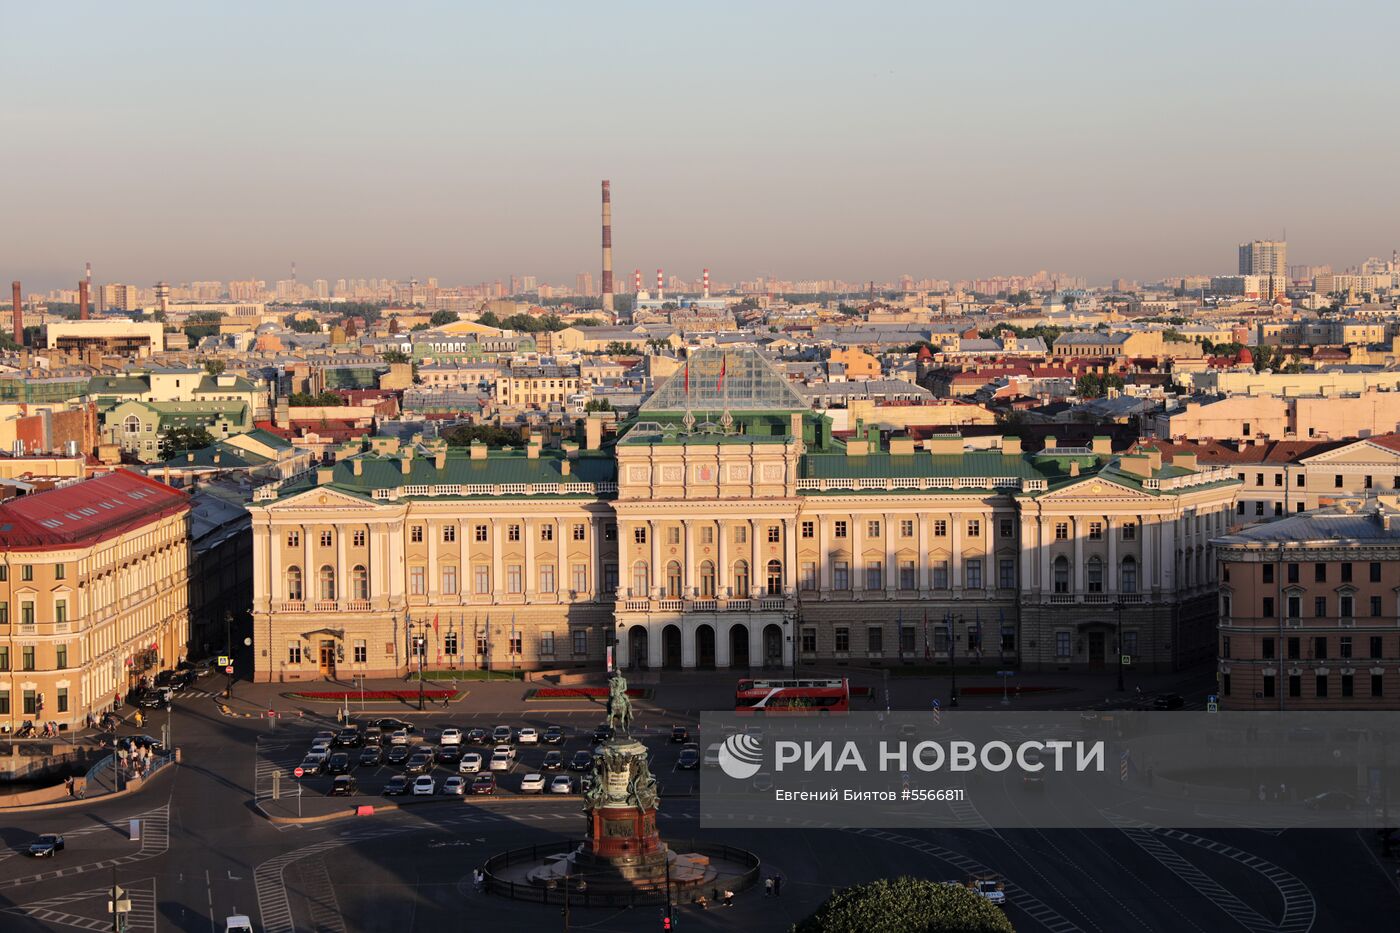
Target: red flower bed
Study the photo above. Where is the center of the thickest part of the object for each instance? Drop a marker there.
(582, 692)
(373, 694)
(989, 691)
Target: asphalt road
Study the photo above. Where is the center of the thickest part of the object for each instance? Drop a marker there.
(205, 852)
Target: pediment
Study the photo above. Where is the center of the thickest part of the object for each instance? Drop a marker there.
(1363, 452)
(1096, 488)
(319, 497)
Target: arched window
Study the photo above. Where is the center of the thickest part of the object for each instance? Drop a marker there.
(359, 583)
(132, 425)
(1093, 575)
(1129, 578)
(641, 583)
(741, 579)
(294, 591)
(328, 582)
(1061, 575)
(707, 580)
(775, 578)
(673, 580)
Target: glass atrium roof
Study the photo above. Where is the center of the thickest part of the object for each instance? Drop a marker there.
(717, 380)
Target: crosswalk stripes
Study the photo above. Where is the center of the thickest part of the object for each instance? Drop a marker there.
(141, 919)
(319, 892)
(276, 756)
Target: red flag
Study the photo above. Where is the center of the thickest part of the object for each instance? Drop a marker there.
(687, 377)
(435, 624)
(723, 364)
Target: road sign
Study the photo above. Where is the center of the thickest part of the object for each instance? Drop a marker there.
(229, 669)
(1123, 767)
(223, 660)
(123, 903)
(1127, 660)
(134, 831)
(1212, 707)
(299, 771)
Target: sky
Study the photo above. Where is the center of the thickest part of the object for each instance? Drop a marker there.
(180, 142)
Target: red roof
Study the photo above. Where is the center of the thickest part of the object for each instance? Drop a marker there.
(87, 512)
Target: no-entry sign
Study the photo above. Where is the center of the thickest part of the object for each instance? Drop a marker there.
(299, 772)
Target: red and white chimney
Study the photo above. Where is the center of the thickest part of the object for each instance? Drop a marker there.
(705, 292)
(636, 281)
(660, 287)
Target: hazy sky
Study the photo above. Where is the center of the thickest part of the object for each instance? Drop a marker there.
(187, 141)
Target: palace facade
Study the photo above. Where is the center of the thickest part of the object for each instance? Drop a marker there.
(726, 527)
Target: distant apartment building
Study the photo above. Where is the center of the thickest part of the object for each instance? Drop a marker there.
(116, 337)
(1250, 287)
(536, 386)
(1264, 258)
(117, 297)
(1099, 343)
(1308, 608)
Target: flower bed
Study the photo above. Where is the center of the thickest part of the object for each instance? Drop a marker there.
(583, 693)
(339, 695)
(990, 691)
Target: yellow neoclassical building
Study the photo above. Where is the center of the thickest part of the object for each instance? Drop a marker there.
(726, 527)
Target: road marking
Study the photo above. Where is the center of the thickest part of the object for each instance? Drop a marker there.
(155, 840)
(141, 918)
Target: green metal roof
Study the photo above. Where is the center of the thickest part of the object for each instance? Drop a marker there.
(991, 464)
(500, 467)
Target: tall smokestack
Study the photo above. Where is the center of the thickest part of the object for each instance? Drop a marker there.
(706, 291)
(607, 246)
(637, 281)
(163, 296)
(17, 298)
(660, 287)
(83, 300)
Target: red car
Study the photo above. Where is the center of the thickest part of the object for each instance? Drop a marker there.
(484, 784)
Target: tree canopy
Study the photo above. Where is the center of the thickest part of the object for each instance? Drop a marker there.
(396, 356)
(906, 905)
(1093, 385)
(304, 325)
(440, 318)
(597, 404)
(177, 441)
(320, 399)
(493, 435)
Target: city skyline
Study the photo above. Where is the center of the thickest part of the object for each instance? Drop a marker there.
(932, 142)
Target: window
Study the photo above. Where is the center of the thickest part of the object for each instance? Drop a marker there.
(580, 636)
(517, 643)
(416, 586)
(872, 529)
(843, 640)
(775, 578)
(1320, 646)
(1294, 648)
(31, 706)
(874, 575)
(512, 532)
(26, 613)
(579, 532)
(1006, 573)
(1094, 575)
(1377, 685)
(1278, 479)
(482, 574)
(1345, 607)
(547, 644)
(1295, 685)
(707, 534)
(449, 644)
(974, 528)
(480, 532)
(546, 532)
(1368, 484)
(1268, 686)
(60, 571)
(449, 580)
(1337, 481)
(940, 529)
(1268, 607)
(1320, 606)
(673, 535)
(1268, 570)
(1266, 648)
(1375, 572)
(775, 534)
(809, 641)
(1062, 648)
(1301, 480)
(809, 529)
(26, 658)
(940, 575)
(514, 579)
(1062, 531)
(1258, 479)
(741, 533)
(1239, 508)
(1292, 573)
(808, 575)
(1321, 686)
(26, 572)
(1226, 605)
(1007, 527)
(639, 534)
(293, 539)
(610, 531)
(4, 657)
(1259, 508)
(610, 578)
(875, 640)
(294, 592)
(641, 585)
(483, 645)
(358, 538)
(63, 699)
(1320, 572)
(1376, 646)
(449, 533)
(415, 534)
(906, 575)
(1060, 572)
(1344, 646)
(1096, 531)
(293, 652)
(906, 639)
(1130, 531)
(5, 701)
(840, 575)
(1129, 576)
(360, 652)
(1375, 606)
(673, 580)
(973, 574)
(1346, 571)
(1225, 684)
(578, 578)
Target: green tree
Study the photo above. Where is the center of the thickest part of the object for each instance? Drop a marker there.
(906, 905)
(176, 442)
(1172, 335)
(214, 367)
(597, 404)
(1022, 297)
(304, 325)
(440, 318)
(488, 319)
(587, 322)
(618, 348)
(396, 356)
(493, 435)
(202, 324)
(320, 399)
(1093, 385)
(417, 327)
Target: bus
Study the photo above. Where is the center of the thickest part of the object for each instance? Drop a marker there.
(820, 696)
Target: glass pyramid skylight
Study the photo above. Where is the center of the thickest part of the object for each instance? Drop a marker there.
(718, 380)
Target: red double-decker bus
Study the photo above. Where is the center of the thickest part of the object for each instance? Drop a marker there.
(760, 697)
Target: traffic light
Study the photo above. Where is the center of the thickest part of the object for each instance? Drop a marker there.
(666, 922)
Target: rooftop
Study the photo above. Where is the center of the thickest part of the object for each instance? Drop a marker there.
(86, 512)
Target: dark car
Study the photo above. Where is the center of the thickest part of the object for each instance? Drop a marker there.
(449, 754)
(339, 763)
(689, 760)
(343, 786)
(602, 734)
(166, 678)
(553, 760)
(484, 784)
(478, 736)
(503, 735)
(397, 755)
(1331, 800)
(373, 735)
(393, 725)
(1168, 701)
(372, 756)
(582, 760)
(182, 679)
(397, 786)
(46, 846)
(154, 699)
(680, 734)
(419, 763)
(553, 735)
(349, 738)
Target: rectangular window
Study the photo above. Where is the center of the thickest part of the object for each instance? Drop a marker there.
(63, 699)
(809, 641)
(31, 704)
(293, 539)
(483, 579)
(1320, 691)
(293, 652)
(358, 539)
(1295, 647)
(906, 639)
(580, 636)
(1268, 608)
(1320, 646)
(875, 639)
(906, 528)
(974, 528)
(514, 579)
(60, 571)
(973, 574)
(449, 581)
(1007, 527)
(1376, 646)
(1062, 646)
(1266, 648)
(872, 529)
(60, 611)
(1345, 607)
(26, 572)
(707, 535)
(1320, 606)
(26, 658)
(1269, 687)
(1377, 685)
(741, 533)
(1294, 606)
(610, 531)
(940, 575)
(1346, 571)
(808, 576)
(775, 534)
(1375, 607)
(449, 533)
(610, 578)
(1259, 508)
(360, 652)
(517, 643)
(546, 532)
(1320, 572)
(673, 535)
(1337, 481)
(906, 575)
(579, 531)
(1130, 531)
(639, 534)
(1006, 573)
(4, 702)
(1375, 572)
(1225, 647)
(547, 578)
(1295, 685)
(1268, 570)
(1292, 573)
(1344, 646)
(512, 532)
(578, 578)
(416, 578)
(449, 644)
(1130, 643)
(481, 532)
(1225, 684)
(940, 529)
(415, 534)
(4, 657)
(1062, 531)
(1278, 479)
(874, 575)
(61, 657)
(840, 575)
(809, 529)
(483, 646)
(547, 643)
(843, 640)
(1096, 531)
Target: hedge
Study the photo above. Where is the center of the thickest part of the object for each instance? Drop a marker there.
(906, 905)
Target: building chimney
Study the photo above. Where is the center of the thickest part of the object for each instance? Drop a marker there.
(593, 433)
(607, 247)
(660, 287)
(17, 297)
(637, 282)
(83, 300)
(705, 292)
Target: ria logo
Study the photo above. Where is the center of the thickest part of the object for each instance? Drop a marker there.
(740, 756)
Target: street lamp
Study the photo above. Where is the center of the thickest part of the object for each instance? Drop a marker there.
(952, 661)
(419, 645)
(1118, 605)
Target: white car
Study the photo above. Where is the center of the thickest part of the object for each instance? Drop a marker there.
(322, 745)
(324, 734)
(239, 923)
(424, 786)
(528, 736)
(398, 737)
(562, 784)
(711, 759)
(470, 763)
(532, 784)
(456, 785)
(450, 736)
(991, 888)
(500, 762)
(506, 750)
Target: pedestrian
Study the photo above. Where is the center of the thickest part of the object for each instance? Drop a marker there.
(702, 903)
(68, 785)
(778, 885)
(728, 898)
(768, 886)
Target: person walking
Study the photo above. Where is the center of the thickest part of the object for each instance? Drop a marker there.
(728, 898)
(778, 884)
(768, 886)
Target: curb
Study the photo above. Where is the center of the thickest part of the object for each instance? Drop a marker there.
(381, 806)
(82, 801)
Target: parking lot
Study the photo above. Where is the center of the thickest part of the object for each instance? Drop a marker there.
(281, 753)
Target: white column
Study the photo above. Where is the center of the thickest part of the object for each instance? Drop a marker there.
(857, 554)
(1167, 560)
(620, 651)
(1044, 537)
(823, 558)
(655, 657)
(955, 569)
(530, 531)
(311, 574)
(688, 579)
(757, 573)
(1147, 576)
(595, 564)
(722, 533)
(1027, 554)
(921, 580)
(722, 658)
(891, 571)
(1076, 528)
(790, 572)
(1111, 529)
(657, 578)
(498, 582)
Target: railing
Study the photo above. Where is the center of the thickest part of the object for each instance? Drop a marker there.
(357, 605)
(772, 604)
(325, 605)
(922, 482)
(704, 605)
(1061, 598)
(670, 605)
(493, 489)
(292, 605)
(762, 604)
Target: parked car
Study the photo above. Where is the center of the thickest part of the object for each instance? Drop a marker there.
(203, 667)
(343, 786)
(398, 737)
(528, 735)
(484, 784)
(711, 759)
(456, 785)
(424, 786)
(680, 734)
(238, 923)
(582, 760)
(502, 734)
(562, 784)
(504, 750)
(392, 725)
(689, 759)
(1168, 701)
(322, 745)
(371, 756)
(553, 735)
(602, 734)
(349, 738)
(419, 762)
(990, 887)
(154, 699)
(448, 754)
(46, 846)
(553, 760)
(470, 763)
(532, 784)
(397, 754)
(324, 735)
(373, 735)
(310, 766)
(1331, 800)
(339, 763)
(451, 735)
(397, 786)
(478, 736)
(500, 761)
